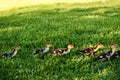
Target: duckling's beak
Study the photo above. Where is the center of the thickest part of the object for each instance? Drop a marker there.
(103, 46)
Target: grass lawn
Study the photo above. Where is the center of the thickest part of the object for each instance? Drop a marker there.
(60, 24)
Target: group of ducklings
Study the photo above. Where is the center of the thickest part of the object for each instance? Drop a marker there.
(61, 51)
(105, 55)
(55, 52)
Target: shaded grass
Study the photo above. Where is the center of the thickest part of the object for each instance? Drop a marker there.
(81, 26)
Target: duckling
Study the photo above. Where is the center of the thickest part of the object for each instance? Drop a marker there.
(91, 50)
(42, 50)
(11, 54)
(107, 55)
(62, 50)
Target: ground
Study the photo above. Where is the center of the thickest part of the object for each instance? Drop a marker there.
(83, 25)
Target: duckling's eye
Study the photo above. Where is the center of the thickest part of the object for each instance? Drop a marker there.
(71, 46)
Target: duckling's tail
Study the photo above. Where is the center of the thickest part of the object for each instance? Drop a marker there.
(95, 59)
(51, 52)
(1, 55)
(81, 51)
(34, 52)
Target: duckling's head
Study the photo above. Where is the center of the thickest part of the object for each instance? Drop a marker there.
(70, 46)
(48, 45)
(113, 46)
(100, 45)
(17, 48)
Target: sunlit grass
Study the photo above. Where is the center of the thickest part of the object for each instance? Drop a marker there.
(7, 4)
(10, 29)
(14, 4)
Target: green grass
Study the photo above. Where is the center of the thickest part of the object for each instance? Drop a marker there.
(59, 24)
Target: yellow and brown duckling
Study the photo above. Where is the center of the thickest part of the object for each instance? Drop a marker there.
(42, 50)
(91, 50)
(61, 51)
(11, 54)
(107, 55)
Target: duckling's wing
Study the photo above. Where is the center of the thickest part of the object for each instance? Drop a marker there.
(87, 50)
(38, 51)
(117, 54)
(101, 56)
(61, 50)
(55, 52)
(108, 52)
(58, 51)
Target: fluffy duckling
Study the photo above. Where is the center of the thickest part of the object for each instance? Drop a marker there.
(62, 50)
(11, 54)
(42, 50)
(90, 51)
(107, 55)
